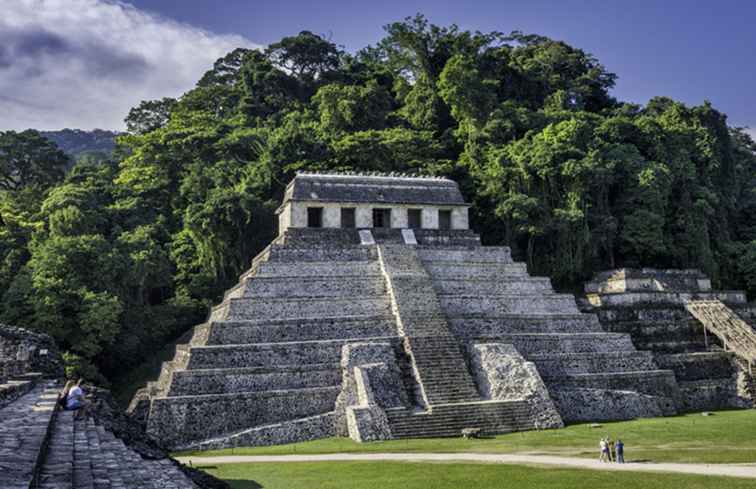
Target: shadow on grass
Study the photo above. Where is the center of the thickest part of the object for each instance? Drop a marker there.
(234, 483)
(243, 484)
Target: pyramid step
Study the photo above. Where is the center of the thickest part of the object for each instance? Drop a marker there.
(230, 380)
(489, 324)
(317, 269)
(311, 307)
(454, 270)
(477, 254)
(483, 286)
(265, 354)
(560, 364)
(295, 287)
(326, 328)
(461, 305)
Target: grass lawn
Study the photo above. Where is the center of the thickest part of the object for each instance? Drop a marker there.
(725, 437)
(398, 475)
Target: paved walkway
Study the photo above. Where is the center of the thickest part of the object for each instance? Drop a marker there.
(748, 471)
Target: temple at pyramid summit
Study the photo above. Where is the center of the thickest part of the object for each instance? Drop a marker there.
(377, 314)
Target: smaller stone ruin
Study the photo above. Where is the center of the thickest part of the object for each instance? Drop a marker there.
(653, 305)
(25, 358)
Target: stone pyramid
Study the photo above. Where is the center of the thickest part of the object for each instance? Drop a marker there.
(392, 332)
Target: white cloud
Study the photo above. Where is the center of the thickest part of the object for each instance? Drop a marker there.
(85, 63)
(752, 131)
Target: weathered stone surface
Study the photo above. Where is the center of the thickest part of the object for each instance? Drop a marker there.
(605, 405)
(503, 374)
(372, 381)
(23, 351)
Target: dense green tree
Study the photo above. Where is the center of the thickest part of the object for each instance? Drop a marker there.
(28, 158)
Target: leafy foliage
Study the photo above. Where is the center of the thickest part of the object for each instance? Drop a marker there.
(115, 259)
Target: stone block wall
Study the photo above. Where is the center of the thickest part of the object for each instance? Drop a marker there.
(504, 375)
(24, 351)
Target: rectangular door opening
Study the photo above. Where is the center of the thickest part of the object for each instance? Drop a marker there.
(414, 218)
(381, 218)
(444, 219)
(314, 217)
(347, 218)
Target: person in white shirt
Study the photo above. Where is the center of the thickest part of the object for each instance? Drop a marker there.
(76, 401)
(604, 446)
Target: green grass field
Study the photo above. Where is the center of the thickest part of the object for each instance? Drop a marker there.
(725, 437)
(396, 475)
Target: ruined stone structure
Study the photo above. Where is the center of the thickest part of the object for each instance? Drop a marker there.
(650, 305)
(43, 447)
(377, 314)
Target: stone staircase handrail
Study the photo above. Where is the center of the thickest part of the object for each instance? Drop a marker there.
(736, 335)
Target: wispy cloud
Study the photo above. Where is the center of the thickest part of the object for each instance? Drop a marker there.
(85, 63)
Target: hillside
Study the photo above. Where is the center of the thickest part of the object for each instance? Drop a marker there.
(77, 143)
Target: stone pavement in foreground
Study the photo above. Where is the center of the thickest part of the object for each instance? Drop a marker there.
(729, 470)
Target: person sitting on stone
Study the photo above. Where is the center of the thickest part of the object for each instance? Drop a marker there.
(62, 401)
(76, 401)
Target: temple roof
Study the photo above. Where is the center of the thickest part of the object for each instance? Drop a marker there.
(373, 189)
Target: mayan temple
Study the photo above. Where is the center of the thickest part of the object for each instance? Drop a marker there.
(377, 314)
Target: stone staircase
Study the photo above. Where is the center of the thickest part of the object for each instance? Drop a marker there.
(44, 448)
(734, 333)
(491, 417)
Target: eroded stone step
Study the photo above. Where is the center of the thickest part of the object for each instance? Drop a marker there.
(698, 366)
(289, 253)
(306, 308)
(478, 254)
(478, 286)
(316, 269)
(660, 383)
(560, 364)
(535, 343)
(326, 328)
(180, 421)
(266, 354)
(294, 287)
(454, 270)
(231, 380)
(477, 326)
(496, 305)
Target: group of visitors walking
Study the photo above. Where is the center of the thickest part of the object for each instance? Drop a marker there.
(611, 451)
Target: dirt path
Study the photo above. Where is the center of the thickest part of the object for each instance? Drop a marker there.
(731, 470)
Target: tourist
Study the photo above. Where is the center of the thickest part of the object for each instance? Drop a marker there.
(75, 400)
(63, 395)
(604, 446)
(620, 448)
(610, 448)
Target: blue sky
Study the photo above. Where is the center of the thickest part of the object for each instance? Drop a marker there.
(688, 50)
